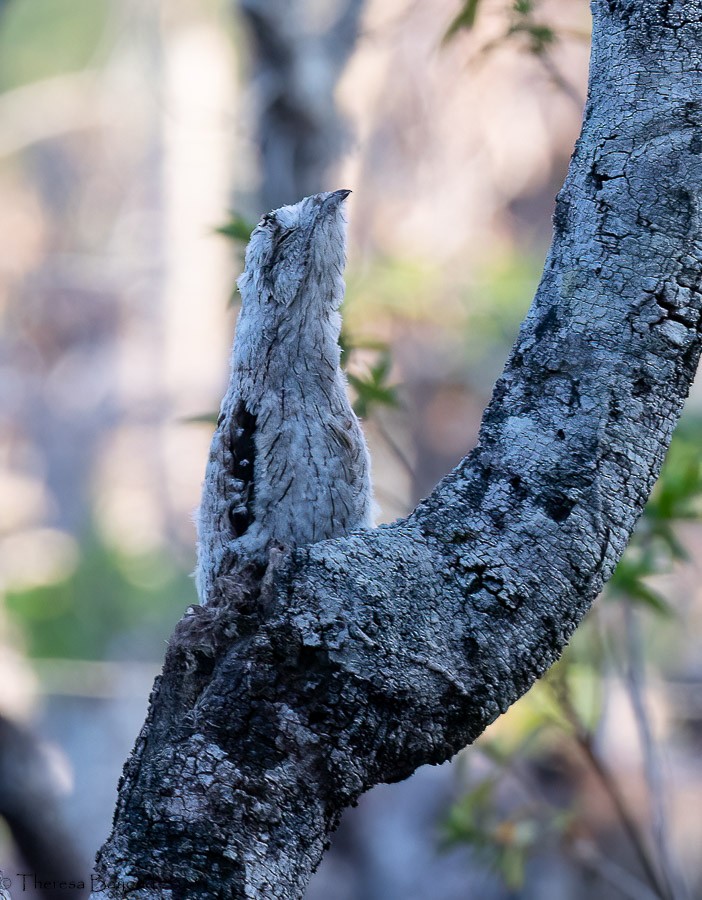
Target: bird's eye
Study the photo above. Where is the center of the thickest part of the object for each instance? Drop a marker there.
(268, 219)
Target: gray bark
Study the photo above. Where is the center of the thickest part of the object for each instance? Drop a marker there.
(297, 61)
(354, 661)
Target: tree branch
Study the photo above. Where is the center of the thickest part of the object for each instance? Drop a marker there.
(635, 682)
(354, 661)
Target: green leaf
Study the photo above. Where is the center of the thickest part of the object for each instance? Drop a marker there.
(465, 19)
(665, 533)
(627, 582)
(655, 601)
(348, 343)
(466, 820)
(510, 865)
(237, 228)
(202, 419)
(370, 395)
(372, 388)
(381, 369)
(680, 483)
(540, 36)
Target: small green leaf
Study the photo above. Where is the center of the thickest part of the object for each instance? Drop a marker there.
(465, 19)
(541, 36)
(202, 419)
(370, 394)
(372, 388)
(665, 533)
(381, 369)
(348, 343)
(466, 820)
(641, 593)
(237, 228)
(510, 865)
(627, 582)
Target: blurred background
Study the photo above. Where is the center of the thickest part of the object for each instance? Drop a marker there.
(139, 141)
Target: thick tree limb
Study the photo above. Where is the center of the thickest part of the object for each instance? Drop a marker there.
(357, 660)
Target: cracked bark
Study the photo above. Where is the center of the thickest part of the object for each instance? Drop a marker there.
(354, 661)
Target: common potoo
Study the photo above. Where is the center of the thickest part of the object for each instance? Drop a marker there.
(288, 463)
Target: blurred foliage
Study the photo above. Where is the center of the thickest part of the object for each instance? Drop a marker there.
(529, 30)
(237, 228)
(394, 288)
(494, 305)
(108, 595)
(523, 24)
(568, 704)
(44, 38)
(372, 388)
(486, 304)
(465, 18)
(502, 842)
(656, 547)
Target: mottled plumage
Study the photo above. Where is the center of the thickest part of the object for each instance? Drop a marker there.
(288, 463)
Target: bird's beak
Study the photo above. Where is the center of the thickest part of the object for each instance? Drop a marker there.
(336, 198)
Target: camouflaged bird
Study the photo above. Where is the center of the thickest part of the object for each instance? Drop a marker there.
(288, 464)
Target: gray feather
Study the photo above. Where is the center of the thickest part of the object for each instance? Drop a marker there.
(288, 464)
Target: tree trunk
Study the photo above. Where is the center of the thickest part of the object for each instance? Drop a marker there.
(297, 61)
(354, 661)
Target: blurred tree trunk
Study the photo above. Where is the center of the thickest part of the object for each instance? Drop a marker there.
(299, 50)
(68, 316)
(29, 805)
(355, 661)
(61, 342)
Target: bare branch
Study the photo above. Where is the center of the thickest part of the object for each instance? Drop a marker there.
(635, 681)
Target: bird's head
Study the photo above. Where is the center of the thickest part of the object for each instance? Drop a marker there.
(298, 251)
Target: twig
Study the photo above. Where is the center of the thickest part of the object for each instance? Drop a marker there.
(635, 676)
(559, 80)
(626, 883)
(584, 741)
(395, 447)
(386, 496)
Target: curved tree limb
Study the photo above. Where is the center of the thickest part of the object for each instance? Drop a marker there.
(355, 661)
